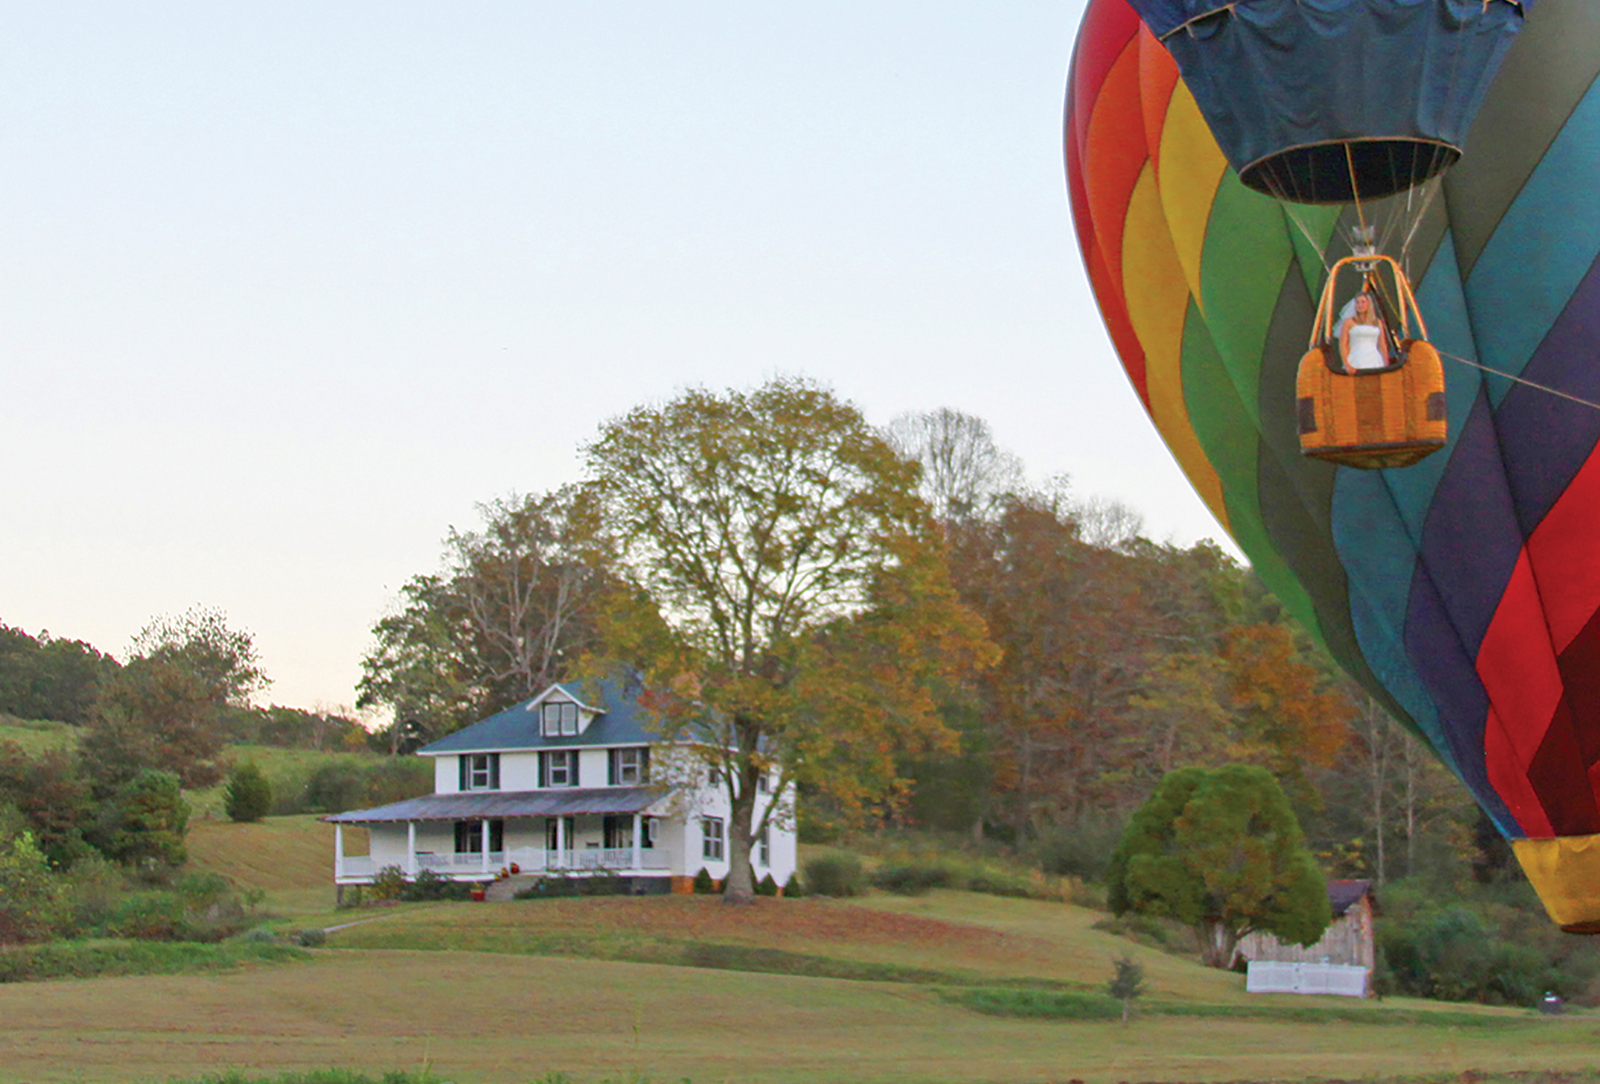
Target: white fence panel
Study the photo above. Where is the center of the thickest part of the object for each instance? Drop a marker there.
(1274, 977)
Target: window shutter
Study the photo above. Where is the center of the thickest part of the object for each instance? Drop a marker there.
(461, 763)
(494, 771)
(611, 767)
(544, 769)
(644, 765)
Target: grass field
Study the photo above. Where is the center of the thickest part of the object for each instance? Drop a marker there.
(498, 1018)
(36, 737)
(513, 992)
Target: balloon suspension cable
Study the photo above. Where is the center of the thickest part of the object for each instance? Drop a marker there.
(1355, 191)
(1294, 219)
(1590, 403)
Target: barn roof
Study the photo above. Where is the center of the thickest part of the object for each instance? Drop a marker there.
(1342, 895)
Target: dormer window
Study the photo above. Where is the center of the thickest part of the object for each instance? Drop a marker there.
(480, 771)
(560, 719)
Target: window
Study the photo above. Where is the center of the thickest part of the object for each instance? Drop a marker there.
(763, 784)
(714, 777)
(558, 768)
(469, 836)
(630, 767)
(480, 771)
(649, 824)
(764, 847)
(560, 719)
(711, 838)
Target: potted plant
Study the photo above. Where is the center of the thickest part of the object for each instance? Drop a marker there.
(478, 894)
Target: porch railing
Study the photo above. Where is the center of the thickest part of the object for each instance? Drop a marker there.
(526, 859)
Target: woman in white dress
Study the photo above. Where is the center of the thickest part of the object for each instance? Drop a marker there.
(1362, 341)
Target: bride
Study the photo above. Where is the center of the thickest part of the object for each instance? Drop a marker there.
(1362, 341)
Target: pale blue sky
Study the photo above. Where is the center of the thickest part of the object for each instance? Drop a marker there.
(289, 287)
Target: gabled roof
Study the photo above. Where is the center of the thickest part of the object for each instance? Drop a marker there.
(619, 720)
(474, 805)
(1342, 895)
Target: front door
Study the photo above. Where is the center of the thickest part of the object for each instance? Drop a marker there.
(619, 833)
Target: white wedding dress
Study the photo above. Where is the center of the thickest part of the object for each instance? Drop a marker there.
(1364, 352)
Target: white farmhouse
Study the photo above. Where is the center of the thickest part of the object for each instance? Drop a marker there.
(572, 782)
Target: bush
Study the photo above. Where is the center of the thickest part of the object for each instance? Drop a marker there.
(336, 788)
(767, 886)
(837, 874)
(387, 884)
(249, 795)
(1080, 849)
(703, 884)
(561, 886)
(312, 938)
(432, 885)
(793, 889)
(907, 879)
(31, 905)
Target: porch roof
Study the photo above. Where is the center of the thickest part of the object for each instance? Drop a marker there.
(477, 805)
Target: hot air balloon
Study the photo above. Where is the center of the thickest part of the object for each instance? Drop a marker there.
(1462, 591)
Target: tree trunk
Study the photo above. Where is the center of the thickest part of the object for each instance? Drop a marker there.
(740, 886)
(1217, 944)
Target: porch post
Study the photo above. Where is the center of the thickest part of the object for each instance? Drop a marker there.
(411, 849)
(561, 842)
(338, 851)
(638, 824)
(486, 846)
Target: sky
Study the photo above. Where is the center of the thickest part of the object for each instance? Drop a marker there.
(289, 288)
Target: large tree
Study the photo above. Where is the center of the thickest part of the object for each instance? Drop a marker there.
(964, 471)
(165, 710)
(514, 606)
(796, 602)
(1220, 850)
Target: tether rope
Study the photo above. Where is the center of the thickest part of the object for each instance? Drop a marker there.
(1591, 404)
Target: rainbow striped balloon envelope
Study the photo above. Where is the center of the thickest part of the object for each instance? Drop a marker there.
(1462, 591)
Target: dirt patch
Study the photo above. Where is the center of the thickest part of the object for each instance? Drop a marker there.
(766, 921)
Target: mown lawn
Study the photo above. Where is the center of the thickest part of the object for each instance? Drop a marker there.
(879, 989)
(487, 1018)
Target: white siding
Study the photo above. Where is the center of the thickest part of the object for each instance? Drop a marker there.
(519, 771)
(592, 767)
(446, 775)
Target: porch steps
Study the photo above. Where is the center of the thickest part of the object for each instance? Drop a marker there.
(506, 888)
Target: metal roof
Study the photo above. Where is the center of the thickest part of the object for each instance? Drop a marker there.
(478, 805)
(1342, 895)
(622, 721)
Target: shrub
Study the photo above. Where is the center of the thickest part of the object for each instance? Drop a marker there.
(907, 879)
(31, 907)
(432, 885)
(248, 796)
(792, 888)
(387, 884)
(767, 886)
(703, 884)
(335, 788)
(837, 874)
(1080, 849)
(312, 938)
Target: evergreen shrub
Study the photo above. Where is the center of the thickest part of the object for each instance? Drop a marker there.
(703, 884)
(767, 886)
(249, 795)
